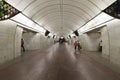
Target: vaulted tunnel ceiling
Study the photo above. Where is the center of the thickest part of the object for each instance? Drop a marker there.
(61, 17)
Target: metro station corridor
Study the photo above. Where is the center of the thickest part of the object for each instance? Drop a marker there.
(59, 39)
(57, 63)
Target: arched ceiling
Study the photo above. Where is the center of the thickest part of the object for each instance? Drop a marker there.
(61, 17)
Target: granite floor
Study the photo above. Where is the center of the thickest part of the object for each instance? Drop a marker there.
(60, 62)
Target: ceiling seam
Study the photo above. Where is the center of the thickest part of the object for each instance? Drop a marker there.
(68, 0)
(66, 5)
(56, 20)
(57, 12)
(94, 4)
(29, 5)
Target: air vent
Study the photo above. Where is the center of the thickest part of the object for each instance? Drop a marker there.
(46, 33)
(76, 33)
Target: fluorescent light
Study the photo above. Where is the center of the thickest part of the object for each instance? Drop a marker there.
(50, 34)
(101, 18)
(72, 35)
(27, 22)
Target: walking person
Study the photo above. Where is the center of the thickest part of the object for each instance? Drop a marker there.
(75, 45)
(79, 45)
(22, 45)
(100, 46)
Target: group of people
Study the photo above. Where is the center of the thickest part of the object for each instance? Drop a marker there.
(77, 45)
(62, 40)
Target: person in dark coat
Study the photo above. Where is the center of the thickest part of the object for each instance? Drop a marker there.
(22, 45)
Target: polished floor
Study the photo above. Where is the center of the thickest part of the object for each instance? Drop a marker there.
(57, 63)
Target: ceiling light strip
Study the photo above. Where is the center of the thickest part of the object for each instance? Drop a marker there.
(22, 19)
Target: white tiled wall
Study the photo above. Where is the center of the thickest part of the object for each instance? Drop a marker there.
(9, 36)
(36, 41)
(90, 42)
(111, 41)
(10, 41)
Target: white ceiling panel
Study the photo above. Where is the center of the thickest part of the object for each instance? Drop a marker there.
(61, 16)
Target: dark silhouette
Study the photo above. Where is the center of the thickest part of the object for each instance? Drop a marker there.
(79, 46)
(100, 46)
(22, 45)
(62, 40)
